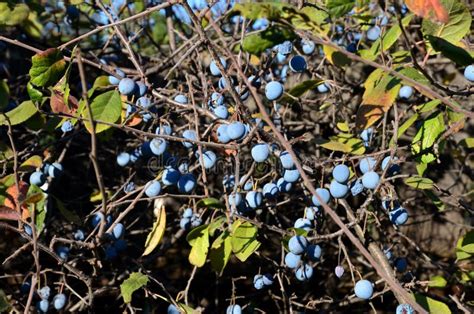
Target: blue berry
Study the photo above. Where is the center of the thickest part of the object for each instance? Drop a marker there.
(143, 102)
(196, 221)
(367, 164)
(209, 159)
(67, 126)
(469, 73)
(364, 289)
(183, 167)
(228, 181)
(298, 64)
(291, 175)
(120, 245)
(304, 272)
(141, 89)
(123, 159)
(255, 81)
(341, 173)
(185, 223)
(297, 244)
(222, 135)
(323, 194)
(286, 160)
(63, 252)
(307, 46)
(366, 134)
(188, 213)
(158, 146)
(339, 271)
(110, 252)
(283, 185)
(96, 219)
(235, 199)
(303, 223)
(221, 112)
(115, 81)
(126, 86)
(55, 170)
(312, 212)
(25, 287)
(270, 190)
(323, 88)
(405, 92)
(153, 188)
(172, 309)
(170, 176)
(292, 260)
(258, 282)
(370, 180)
(401, 264)
(273, 90)
(248, 184)
(217, 99)
(182, 99)
(285, 47)
(129, 187)
(44, 292)
(260, 152)
(234, 309)
(189, 135)
(374, 33)
(118, 231)
(43, 306)
(404, 309)
(235, 130)
(214, 69)
(399, 216)
(37, 178)
(254, 199)
(59, 301)
(79, 235)
(267, 279)
(357, 187)
(186, 183)
(313, 251)
(338, 190)
(164, 129)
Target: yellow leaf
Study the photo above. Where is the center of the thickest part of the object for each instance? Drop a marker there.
(343, 126)
(335, 57)
(156, 234)
(31, 164)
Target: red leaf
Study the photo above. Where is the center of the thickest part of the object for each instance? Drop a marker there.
(7, 213)
(431, 9)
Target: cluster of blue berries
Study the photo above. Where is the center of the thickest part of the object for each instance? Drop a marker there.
(58, 302)
(299, 248)
(189, 219)
(39, 177)
(262, 281)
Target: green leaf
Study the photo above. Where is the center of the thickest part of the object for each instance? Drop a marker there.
(450, 51)
(243, 236)
(467, 142)
(419, 182)
(34, 93)
(466, 243)
(248, 250)
(458, 26)
(437, 282)
(431, 105)
(273, 35)
(338, 8)
(333, 145)
(100, 82)
(4, 304)
(415, 75)
(220, 252)
(68, 214)
(427, 134)
(252, 10)
(31, 164)
(134, 282)
(300, 89)
(405, 126)
(335, 56)
(18, 115)
(210, 202)
(13, 15)
(4, 94)
(47, 67)
(386, 41)
(431, 305)
(35, 200)
(156, 233)
(105, 107)
(200, 246)
(435, 199)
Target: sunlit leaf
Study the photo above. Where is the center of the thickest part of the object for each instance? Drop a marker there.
(134, 282)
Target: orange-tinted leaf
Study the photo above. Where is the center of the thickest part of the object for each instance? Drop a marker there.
(381, 90)
(431, 9)
(59, 106)
(6, 213)
(13, 196)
